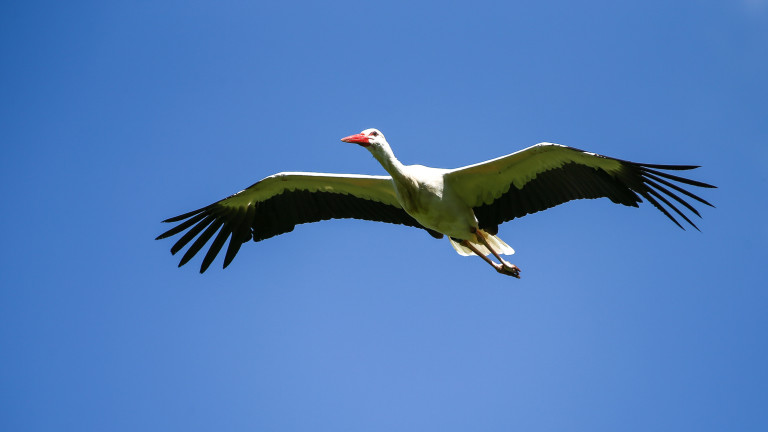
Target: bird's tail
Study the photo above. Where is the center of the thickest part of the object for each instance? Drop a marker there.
(496, 243)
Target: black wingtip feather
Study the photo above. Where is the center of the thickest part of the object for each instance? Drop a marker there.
(672, 194)
(232, 250)
(669, 167)
(201, 241)
(215, 247)
(192, 233)
(647, 175)
(661, 208)
(240, 234)
(185, 215)
(670, 205)
(181, 227)
(679, 179)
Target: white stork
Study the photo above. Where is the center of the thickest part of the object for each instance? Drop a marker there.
(466, 204)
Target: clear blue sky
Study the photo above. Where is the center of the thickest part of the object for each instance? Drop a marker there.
(116, 115)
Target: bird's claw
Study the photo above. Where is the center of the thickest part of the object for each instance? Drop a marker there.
(509, 270)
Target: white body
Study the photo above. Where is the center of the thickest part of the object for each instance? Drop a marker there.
(430, 197)
(422, 192)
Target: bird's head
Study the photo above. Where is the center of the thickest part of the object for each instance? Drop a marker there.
(374, 141)
(369, 138)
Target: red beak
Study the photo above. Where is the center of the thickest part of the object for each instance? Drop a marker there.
(358, 139)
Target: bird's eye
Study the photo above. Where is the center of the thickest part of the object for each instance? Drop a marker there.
(374, 133)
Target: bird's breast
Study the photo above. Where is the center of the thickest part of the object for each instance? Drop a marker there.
(435, 207)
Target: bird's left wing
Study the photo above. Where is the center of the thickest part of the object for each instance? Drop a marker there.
(276, 204)
(546, 175)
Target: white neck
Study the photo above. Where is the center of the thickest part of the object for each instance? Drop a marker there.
(387, 159)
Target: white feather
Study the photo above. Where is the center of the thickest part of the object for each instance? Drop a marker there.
(496, 243)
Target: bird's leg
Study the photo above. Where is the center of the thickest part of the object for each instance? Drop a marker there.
(501, 268)
(509, 268)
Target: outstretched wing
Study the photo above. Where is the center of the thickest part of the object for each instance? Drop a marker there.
(546, 175)
(276, 204)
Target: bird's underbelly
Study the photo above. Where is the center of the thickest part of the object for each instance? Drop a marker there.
(440, 213)
(452, 227)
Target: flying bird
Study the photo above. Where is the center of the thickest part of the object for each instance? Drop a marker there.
(465, 204)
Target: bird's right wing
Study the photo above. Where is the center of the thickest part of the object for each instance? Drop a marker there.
(276, 204)
(546, 175)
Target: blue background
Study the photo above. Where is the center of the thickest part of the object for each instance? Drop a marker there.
(116, 115)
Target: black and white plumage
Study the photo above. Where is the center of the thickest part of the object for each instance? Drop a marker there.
(467, 204)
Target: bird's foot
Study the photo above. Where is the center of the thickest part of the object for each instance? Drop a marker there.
(508, 269)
